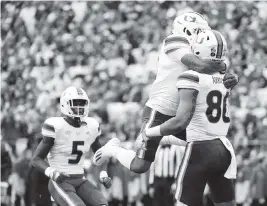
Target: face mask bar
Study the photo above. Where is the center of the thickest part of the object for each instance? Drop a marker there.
(78, 106)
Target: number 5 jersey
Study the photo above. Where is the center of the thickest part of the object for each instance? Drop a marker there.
(70, 143)
(210, 120)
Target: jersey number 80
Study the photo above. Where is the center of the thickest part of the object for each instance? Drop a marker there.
(216, 105)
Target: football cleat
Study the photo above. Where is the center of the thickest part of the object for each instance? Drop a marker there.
(105, 152)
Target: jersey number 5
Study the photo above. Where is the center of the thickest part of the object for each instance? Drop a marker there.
(216, 105)
(76, 151)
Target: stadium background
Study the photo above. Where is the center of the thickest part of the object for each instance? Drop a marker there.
(110, 49)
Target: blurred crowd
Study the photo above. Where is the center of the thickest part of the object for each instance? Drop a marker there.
(110, 49)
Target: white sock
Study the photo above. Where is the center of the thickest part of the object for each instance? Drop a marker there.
(124, 156)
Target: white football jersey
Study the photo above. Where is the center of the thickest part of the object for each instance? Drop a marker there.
(70, 143)
(210, 120)
(163, 93)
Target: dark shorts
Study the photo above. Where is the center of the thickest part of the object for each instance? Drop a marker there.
(76, 191)
(204, 162)
(152, 118)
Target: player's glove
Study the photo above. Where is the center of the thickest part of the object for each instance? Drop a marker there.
(105, 179)
(230, 80)
(56, 175)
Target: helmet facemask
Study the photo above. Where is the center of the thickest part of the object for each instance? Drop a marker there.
(74, 102)
(78, 107)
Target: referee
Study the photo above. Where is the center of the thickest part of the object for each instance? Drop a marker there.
(163, 173)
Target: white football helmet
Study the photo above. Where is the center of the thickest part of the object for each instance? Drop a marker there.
(189, 24)
(74, 102)
(210, 44)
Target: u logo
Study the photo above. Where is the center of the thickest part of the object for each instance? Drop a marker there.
(190, 18)
(200, 41)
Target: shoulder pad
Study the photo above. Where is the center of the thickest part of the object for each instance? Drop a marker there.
(93, 125)
(92, 122)
(49, 127)
(176, 38)
(55, 122)
(174, 42)
(190, 76)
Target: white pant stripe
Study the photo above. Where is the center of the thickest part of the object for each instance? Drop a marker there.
(151, 119)
(182, 170)
(63, 194)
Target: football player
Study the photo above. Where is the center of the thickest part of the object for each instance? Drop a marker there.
(65, 140)
(175, 57)
(204, 111)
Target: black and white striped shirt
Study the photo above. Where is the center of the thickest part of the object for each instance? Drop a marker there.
(167, 162)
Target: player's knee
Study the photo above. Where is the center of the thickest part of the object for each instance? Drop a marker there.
(231, 203)
(140, 170)
(140, 165)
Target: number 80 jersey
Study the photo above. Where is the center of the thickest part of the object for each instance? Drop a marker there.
(70, 143)
(210, 120)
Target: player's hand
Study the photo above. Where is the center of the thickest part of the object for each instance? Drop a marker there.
(105, 179)
(230, 80)
(58, 176)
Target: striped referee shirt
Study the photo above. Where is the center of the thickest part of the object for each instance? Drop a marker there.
(167, 162)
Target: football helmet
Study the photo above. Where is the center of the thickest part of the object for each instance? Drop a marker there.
(189, 24)
(74, 102)
(210, 44)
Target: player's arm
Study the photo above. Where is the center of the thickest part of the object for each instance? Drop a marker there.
(103, 175)
(38, 160)
(188, 85)
(178, 50)
(183, 116)
(209, 67)
(203, 66)
(194, 63)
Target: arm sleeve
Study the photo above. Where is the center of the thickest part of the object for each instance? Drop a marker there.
(174, 42)
(48, 130)
(188, 80)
